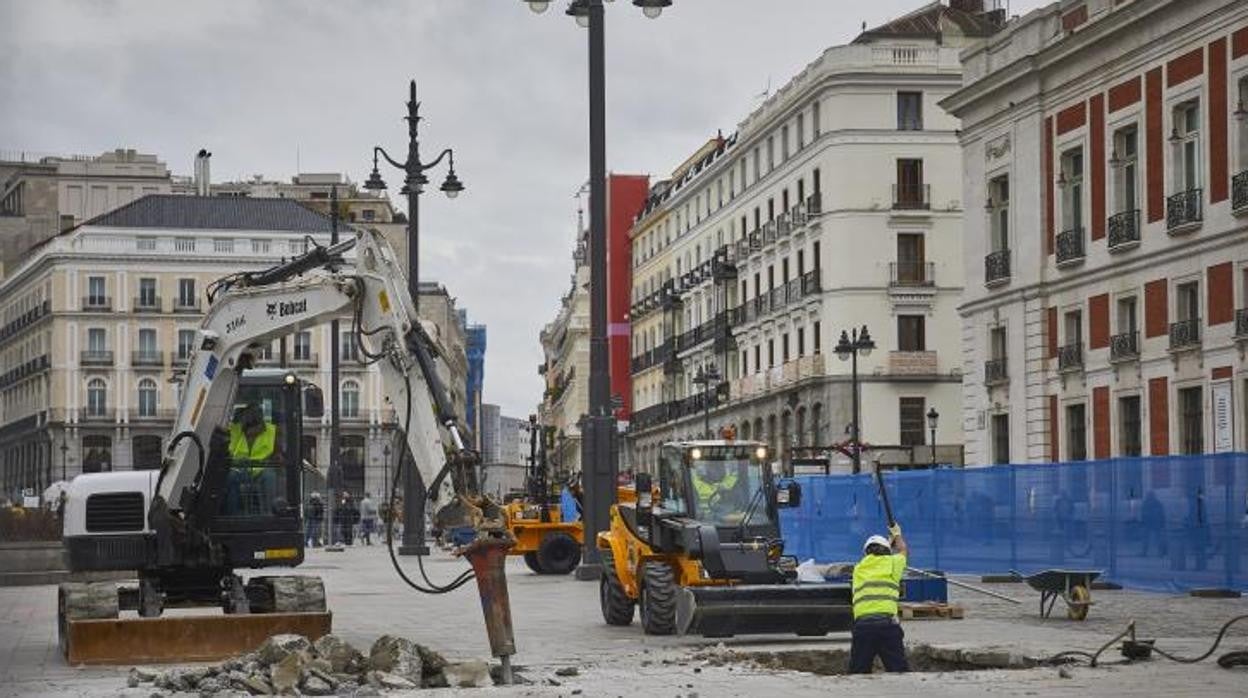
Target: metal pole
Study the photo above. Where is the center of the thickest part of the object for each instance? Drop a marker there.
(854, 388)
(706, 409)
(598, 465)
(933, 447)
(413, 488)
(335, 423)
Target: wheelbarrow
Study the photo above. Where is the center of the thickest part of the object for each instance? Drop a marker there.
(1072, 586)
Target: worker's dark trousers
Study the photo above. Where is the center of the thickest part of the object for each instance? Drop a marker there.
(877, 637)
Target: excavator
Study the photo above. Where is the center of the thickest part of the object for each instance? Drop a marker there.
(700, 551)
(226, 498)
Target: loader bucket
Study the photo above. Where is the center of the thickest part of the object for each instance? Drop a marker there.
(764, 609)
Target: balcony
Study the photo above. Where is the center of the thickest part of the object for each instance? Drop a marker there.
(912, 197)
(97, 303)
(912, 273)
(154, 358)
(25, 370)
(157, 415)
(997, 268)
(1070, 247)
(1070, 357)
(26, 319)
(651, 358)
(1183, 211)
(1124, 347)
(1239, 193)
(103, 414)
(1185, 334)
(912, 363)
(97, 357)
(186, 305)
(814, 204)
(1241, 323)
(996, 372)
(180, 358)
(1124, 230)
(147, 304)
(304, 359)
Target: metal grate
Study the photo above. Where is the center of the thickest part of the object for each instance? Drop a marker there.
(115, 511)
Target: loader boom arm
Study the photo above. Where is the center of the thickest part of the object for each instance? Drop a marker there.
(252, 309)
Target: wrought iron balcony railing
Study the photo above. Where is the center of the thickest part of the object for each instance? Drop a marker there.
(1239, 192)
(1241, 322)
(1124, 230)
(912, 197)
(911, 273)
(1184, 209)
(997, 267)
(98, 357)
(147, 304)
(1070, 357)
(97, 303)
(1070, 246)
(147, 358)
(996, 371)
(1124, 346)
(1185, 334)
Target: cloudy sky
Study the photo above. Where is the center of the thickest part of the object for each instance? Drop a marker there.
(276, 86)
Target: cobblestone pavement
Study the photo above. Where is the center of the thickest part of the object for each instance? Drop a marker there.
(558, 625)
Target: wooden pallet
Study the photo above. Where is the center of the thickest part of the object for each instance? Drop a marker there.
(930, 611)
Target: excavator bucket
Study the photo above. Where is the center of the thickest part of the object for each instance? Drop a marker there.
(189, 638)
(764, 609)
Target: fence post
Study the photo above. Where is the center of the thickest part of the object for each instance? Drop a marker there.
(1231, 550)
(1112, 464)
(935, 475)
(1013, 516)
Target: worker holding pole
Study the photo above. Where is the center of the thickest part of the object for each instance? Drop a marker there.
(877, 589)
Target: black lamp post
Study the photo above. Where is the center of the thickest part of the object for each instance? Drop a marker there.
(932, 417)
(598, 432)
(389, 487)
(851, 345)
(414, 182)
(707, 377)
(64, 455)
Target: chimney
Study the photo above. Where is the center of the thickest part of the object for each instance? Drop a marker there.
(202, 178)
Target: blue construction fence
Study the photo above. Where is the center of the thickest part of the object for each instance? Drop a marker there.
(1167, 523)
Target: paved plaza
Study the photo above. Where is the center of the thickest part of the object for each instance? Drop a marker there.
(558, 626)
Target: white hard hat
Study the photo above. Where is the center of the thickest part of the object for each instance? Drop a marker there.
(876, 540)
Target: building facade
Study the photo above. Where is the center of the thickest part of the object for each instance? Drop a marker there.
(1106, 179)
(565, 366)
(835, 205)
(98, 323)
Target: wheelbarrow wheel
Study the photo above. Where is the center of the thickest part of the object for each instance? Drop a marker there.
(1079, 602)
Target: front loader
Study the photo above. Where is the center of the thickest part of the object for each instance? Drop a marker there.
(702, 554)
(549, 544)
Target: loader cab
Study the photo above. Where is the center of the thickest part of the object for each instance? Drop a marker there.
(725, 484)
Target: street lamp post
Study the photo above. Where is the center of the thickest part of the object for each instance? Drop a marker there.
(851, 345)
(64, 455)
(599, 464)
(707, 377)
(932, 417)
(414, 182)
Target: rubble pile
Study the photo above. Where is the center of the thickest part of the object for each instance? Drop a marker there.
(291, 665)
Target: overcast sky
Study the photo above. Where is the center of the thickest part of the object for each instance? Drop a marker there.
(279, 86)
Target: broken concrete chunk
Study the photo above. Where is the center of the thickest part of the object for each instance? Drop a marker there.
(396, 655)
(277, 647)
(143, 674)
(434, 680)
(316, 686)
(431, 662)
(285, 674)
(364, 692)
(256, 686)
(342, 657)
(567, 671)
(211, 686)
(471, 674)
(390, 681)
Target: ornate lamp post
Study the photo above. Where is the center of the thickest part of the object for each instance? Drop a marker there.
(932, 417)
(598, 434)
(708, 378)
(851, 345)
(414, 182)
(64, 455)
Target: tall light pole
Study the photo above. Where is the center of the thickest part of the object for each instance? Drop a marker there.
(707, 377)
(414, 182)
(932, 417)
(851, 345)
(599, 464)
(64, 454)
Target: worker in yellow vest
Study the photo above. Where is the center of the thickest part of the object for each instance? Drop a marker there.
(253, 440)
(877, 588)
(713, 485)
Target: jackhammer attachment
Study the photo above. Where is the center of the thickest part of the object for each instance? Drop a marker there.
(488, 557)
(764, 609)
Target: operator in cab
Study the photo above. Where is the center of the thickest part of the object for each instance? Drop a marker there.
(253, 443)
(877, 588)
(715, 487)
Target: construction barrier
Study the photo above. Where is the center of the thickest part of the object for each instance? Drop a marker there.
(1167, 523)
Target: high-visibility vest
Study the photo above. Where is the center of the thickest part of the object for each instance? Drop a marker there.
(706, 489)
(877, 585)
(257, 450)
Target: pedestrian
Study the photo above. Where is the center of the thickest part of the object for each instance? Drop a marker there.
(368, 518)
(314, 515)
(877, 588)
(345, 516)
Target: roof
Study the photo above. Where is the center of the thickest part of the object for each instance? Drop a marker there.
(215, 213)
(928, 23)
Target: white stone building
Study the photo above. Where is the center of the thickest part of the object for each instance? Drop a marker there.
(565, 366)
(1106, 183)
(837, 204)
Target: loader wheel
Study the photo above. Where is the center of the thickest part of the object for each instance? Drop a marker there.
(558, 553)
(530, 559)
(617, 608)
(658, 599)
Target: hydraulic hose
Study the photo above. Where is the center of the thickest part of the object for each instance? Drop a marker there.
(1226, 661)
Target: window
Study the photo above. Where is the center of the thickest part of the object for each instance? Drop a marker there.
(350, 351)
(801, 341)
(1191, 421)
(912, 411)
(1187, 301)
(147, 293)
(303, 346)
(758, 164)
(147, 342)
(911, 269)
(1186, 139)
(97, 453)
(147, 398)
(1076, 433)
(1243, 124)
(1000, 438)
(999, 212)
(784, 143)
(817, 339)
(814, 253)
(1129, 437)
(997, 346)
(814, 121)
(801, 130)
(186, 293)
(771, 353)
(1127, 319)
(186, 343)
(744, 368)
(910, 333)
(95, 291)
(909, 111)
(97, 397)
(1125, 163)
(1070, 179)
(147, 453)
(758, 358)
(96, 340)
(350, 399)
(369, 214)
(784, 347)
(909, 189)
